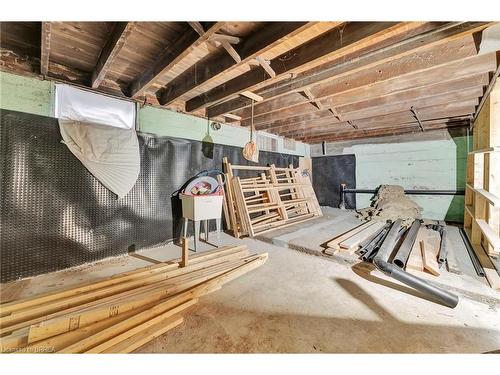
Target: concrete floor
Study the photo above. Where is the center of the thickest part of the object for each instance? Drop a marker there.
(298, 303)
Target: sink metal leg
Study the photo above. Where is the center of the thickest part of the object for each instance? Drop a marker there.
(206, 230)
(196, 234)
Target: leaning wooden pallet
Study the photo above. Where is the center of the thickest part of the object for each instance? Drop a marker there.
(120, 313)
(275, 198)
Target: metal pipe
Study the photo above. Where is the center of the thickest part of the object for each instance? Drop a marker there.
(475, 262)
(443, 252)
(409, 192)
(369, 250)
(381, 262)
(443, 296)
(404, 250)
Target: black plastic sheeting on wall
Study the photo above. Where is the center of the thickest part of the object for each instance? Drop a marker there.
(55, 214)
(328, 173)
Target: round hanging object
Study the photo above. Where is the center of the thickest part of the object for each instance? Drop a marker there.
(202, 186)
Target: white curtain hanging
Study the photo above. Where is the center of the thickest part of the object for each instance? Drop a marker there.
(111, 154)
(75, 104)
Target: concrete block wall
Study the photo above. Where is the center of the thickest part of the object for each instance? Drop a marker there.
(32, 95)
(430, 160)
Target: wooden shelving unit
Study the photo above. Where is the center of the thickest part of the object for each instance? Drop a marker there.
(482, 189)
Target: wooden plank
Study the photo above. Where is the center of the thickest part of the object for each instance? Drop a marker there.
(127, 328)
(213, 67)
(185, 252)
(119, 279)
(173, 56)
(45, 48)
(415, 262)
(211, 266)
(429, 260)
(123, 303)
(252, 96)
(265, 64)
(353, 242)
(489, 234)
(335, 243)
(111, 49)
(489, 197)
(437, 37)
(225, 207)
(232, 52)
(311, 53)
(139, 339)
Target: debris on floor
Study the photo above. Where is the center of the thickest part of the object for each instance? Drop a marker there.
(391, 203)
(123, 312)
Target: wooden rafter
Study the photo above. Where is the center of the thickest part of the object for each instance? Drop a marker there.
(45, 48)
(307, 55)
(218, 64)
(251, 95)
(116, 41)
(174, 55)
(367, 58)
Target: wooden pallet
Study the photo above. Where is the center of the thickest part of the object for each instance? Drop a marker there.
(120, 313)
(274, 198)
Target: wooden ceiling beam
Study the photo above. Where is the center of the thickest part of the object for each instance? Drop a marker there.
(307, 55)
(457, 109)
(388, 131)
(213, 67)
(426, 67)
(407, 96)
(174, 54)
(358, 60)
(114, 44)
(45, 48)
(448, 72)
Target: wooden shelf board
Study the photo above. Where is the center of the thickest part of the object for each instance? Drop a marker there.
(486, 150)
(491, 198)
(468, 209)
(489, 234)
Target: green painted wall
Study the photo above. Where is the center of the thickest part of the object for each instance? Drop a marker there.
(435, 160)
(175, 124)
(25, 94)
(35, 96)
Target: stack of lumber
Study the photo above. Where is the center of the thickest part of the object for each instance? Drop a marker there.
(274, 198)
(120, 313)
(354, 238)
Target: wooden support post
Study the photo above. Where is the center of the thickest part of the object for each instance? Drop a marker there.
(185, 252)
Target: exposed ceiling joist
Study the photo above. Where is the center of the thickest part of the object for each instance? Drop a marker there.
(174, 55)
(45, 48)
(227, 38)
(215, 66)
(456, 88)
(307, 55)
(121, 31)
(359, 60)
(251, 95)
(397, 129)
(423, 70)
(383, 121)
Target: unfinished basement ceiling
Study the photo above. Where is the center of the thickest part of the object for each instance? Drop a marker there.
(319, 81)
